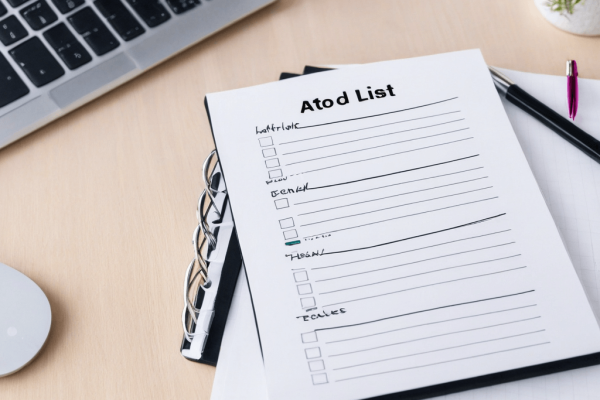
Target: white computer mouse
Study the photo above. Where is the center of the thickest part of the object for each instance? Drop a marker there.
(25, 319)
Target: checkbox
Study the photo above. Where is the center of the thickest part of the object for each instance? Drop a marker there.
(286, 223)
(272, 162)
(301, 276)
(275, 173)
(281, 203)
(308, 302)
(319, 379)
(291, 234)
(266, 141)
(317, 365)
(269, 152)
(305, 288)
(309, 337)
(313, 352)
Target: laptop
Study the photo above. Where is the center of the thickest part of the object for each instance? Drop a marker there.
(56, 55)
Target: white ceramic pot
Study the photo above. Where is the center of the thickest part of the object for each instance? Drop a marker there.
(585, 19)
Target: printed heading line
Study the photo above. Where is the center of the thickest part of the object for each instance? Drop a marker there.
(378, 115)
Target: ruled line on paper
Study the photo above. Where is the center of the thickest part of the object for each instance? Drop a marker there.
(386, 134)
(402, 216)
(444, 362)
(396, 206)
(426, 310)
(369, 127)
(411, 250)
(384, 145)
(423, 286)
(442, 349)
(384, 156)
(386, 186)
(431, 323)
(412, 275)
(436, 336)
(394, 173)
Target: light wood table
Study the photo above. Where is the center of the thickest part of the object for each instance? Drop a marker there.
(98, 207)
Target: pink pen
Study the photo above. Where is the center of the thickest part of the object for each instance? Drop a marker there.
(572, 88)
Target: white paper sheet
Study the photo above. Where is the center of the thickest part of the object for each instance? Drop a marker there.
(511, 313)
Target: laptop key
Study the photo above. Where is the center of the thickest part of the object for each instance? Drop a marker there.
(3, 9)
(64, 6)
(181, 6)
(17, 3)
(11, 86)
(11, 30)
(38, 15)
(68, 48)
(37, 62)
(95, 33)
(120, 18)
(151, 11)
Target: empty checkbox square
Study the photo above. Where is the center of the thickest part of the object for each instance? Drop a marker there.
(275, 173)
(309, 337)
(286, 223)
(319, 379)
(305, 288)
(281, 203)
(272, 162)
(313, 352)
(269, 152)
(301, 276)
(266, 141)
(308, 302)
(291, 234)
(317, 365)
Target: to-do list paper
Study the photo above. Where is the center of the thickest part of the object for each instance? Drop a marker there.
(393, 234)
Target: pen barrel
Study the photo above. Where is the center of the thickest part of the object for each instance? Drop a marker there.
(559, 124)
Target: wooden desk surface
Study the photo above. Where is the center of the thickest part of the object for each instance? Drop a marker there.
(98, 207)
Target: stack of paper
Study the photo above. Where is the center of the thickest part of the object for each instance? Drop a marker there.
(568, 180)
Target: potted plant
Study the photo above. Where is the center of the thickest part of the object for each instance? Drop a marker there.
(581, 17)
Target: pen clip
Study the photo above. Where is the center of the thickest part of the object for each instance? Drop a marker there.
(569, 67)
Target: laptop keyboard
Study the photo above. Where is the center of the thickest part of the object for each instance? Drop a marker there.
(44, 58)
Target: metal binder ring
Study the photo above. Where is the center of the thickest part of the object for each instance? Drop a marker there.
(202, 222)
(208, 182)
(202, 264)
(188, 306)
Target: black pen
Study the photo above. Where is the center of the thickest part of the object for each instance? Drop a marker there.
(559, 124)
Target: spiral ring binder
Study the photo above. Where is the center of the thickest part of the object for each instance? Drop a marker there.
(212, 274)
